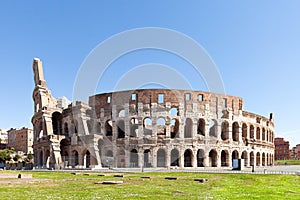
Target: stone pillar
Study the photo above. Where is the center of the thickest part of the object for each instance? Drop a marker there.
(127, 159)
(230, 159)
(141, 158)
(168, 157)
(219, 159)
(194, 159)
(181, 158)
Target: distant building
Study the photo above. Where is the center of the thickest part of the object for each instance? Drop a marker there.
(63, 102)
(3, 137)
(295, 152)
(21, 140)
(282, 149)
(11, 138)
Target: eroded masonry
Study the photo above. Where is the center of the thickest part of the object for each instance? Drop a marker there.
(147, 128)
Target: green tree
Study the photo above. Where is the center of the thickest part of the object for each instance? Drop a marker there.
(5, 155)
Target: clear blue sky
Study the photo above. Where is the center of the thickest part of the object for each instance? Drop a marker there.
(255, 45)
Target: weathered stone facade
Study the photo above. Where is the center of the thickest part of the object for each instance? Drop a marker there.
(148, 128)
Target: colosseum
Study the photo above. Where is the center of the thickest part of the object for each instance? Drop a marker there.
(158, 128)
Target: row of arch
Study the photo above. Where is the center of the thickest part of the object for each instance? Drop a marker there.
(189, 158)
(258, 133)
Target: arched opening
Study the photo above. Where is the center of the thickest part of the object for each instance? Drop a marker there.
(66, 128)
(75, 158)
(251, 132)
(121, 158)
(174, 157)
(87, 159)
(213, 131)
(57, 123)
(174, 112)
(224, 158)
(134, 158)
(161, 126)
(147, 125)
(121, 129)
(235, 131)
(64, 147)
(161, 158)
(41, 159)
(263, 162)
(257, 133)
(108, 128)
(251, 158)
(244, 130)
(234, 155)
(200, 158)
(188, 128)
(245, 157)
(134, 127)
(225, 130)
(258, 159)
(213, 158)
(201, 127)
(263, 134)
(188, 156)
(122, 113)
(268, 159)
(174, 128)
(147, 158)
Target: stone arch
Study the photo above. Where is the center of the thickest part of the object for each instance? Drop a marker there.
(134, 127)
(188, 128)
(188, 157)
(174, 112)
(251, 158)
(200, 158)
(174, 157)
(75, 158)
(134, 158)
(234, 155)
(108, 128)
(161, 126)
(257, 133)
(201, 127)
(147, 125)
(213, 128)
(225, 130)
(245, 157)
(224, 158)
(57, 123)
(235, 131)
(121, 129)
(121, 113)
(251, 132)
(174, 128)
(41, 159)
(161, 158)
(244, 130)
(257, 159)
(263, 134)
(213, 158)
(263, 161)
(121, 158)
(87, 158)
(147, 162)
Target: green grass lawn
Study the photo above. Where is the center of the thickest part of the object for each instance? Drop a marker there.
(288, 162)
(64, 185)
